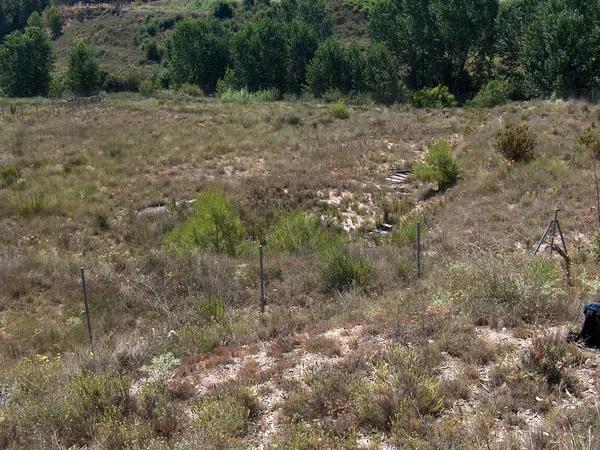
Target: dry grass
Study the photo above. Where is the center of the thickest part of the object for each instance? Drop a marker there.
(87, 173)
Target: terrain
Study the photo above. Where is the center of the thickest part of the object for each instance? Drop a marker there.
(471, 355)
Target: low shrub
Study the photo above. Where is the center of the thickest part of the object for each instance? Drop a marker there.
(436, 97)
(9, 175)
(550, 356)
(245, 96)
(192, 90)
(342, 271)
(405, 233)
(148, 87)
(516, 143)
(224, 417)
(596, 245)
(214, 226)
(200, 339)
(339, 110)
(212, 309)
(152, 51)
(298, 233)
(590, 139)
(439, 166)
(493, 93)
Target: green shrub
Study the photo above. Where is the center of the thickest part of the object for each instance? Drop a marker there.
(439, 166)
(148, 87)
(436, 97)
(298, 233)
(192, 90)
(596, 245)
(204, 339)
(212, 309)
(493, 93)
(339, 110)
(54, 20)
(244, 96)
(9, 174)
(214, 226)
(516, 143)
(58, 85)
(152, 51)
(342, 271)
(158, 408)
(405, 233)
(590, 139)
(224, 417)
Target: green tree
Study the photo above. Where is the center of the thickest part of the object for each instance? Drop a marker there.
(259, 55)
(83, 73)
(302, 45)
(313, 13)
(560, 46)
(26, 60)
(440, 41)
(35, 20)
(198, 53)
(382, 74)
(335, 67)
(54, 20)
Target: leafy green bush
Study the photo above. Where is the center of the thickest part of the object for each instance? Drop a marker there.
(298, 233)
(436, 97)
(54, 20)
(596, 245)
(200, 339)
(590, 139)
(152, 51)
(9, 174)
(516, 143)
(342, 271)
(244, 96)
(214, 226)
(439, 166)
(339, 110)
(493, 93)
(191, 89)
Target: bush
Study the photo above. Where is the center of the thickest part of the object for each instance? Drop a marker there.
(212, 309)
(214, 226)
(9, 175)
(152, 51)
(493, 93)
(191, 89)
(342, 271)
(339, 110)
(128, 81)
(516, 143)
(83, 74)
(590, 139)
(439, 166)
(223, 417)
(596, 245)
(223, 10)
(148, 87)
(58, 85)
(25, 63)
(436, 97)
(550, 356)
(244, 96)
(405, 233)
(54, 20)
(297, 233)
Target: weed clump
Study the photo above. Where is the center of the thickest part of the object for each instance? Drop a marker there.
(214, 226)
(339, 110)
(9, 175)
(516, 143)
(342, 271)
(298, 233)
(439, 166)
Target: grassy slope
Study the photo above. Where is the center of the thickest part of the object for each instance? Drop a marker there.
(87, 169)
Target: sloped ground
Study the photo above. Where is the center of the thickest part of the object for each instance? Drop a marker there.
(464, 357)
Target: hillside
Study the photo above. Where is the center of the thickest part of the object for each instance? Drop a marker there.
(471, 355)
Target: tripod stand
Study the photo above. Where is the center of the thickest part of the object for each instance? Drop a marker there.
(551, 232)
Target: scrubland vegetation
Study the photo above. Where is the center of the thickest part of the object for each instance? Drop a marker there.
(165, 201)
(325, 132)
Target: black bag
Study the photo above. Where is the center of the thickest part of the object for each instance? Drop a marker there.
(590, 332)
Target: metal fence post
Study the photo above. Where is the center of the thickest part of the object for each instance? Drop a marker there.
(418, 249)
(87, 309)
(262, 280)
